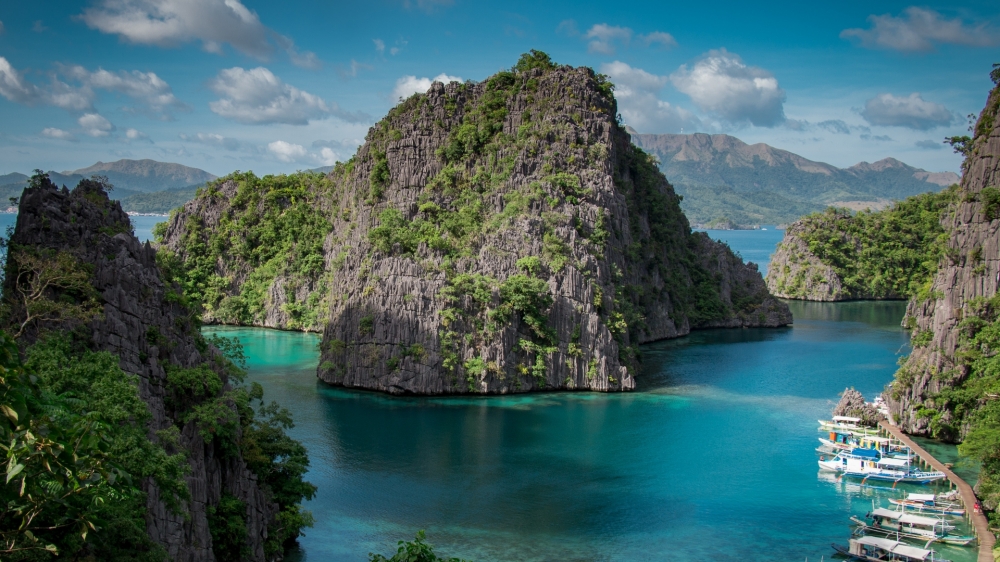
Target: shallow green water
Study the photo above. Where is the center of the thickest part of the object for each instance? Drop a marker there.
(711, 459)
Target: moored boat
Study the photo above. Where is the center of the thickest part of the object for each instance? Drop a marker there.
(846, 423)
(900, 524)
(929, 503)
(876, 548)
(870, 464)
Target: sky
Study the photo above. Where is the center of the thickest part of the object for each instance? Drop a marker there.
(275, 87)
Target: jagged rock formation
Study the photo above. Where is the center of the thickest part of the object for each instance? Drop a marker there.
(147, 330)
(971, 269)
(852, 403)
(797, 273)
(497, 237)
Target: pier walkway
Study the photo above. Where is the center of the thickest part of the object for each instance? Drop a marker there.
(979, 522)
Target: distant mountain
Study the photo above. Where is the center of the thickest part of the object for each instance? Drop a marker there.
(146, 175)
(723, 177)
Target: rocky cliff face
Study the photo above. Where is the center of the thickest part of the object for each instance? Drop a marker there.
(797, 273)
(147, 330)
(972, 269)
(498, 237)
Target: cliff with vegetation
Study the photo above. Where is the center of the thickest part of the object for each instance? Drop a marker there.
(133, 435)
(493, 237)
(839, 255)
(949, 384)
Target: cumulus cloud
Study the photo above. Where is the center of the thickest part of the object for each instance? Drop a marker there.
(54, 133)
(135, 135)
(151, 92)
(929, 144)
(95, 125)
(409, 85)
(257, 96)
(919, 29)
(663, 39)
(168, 23)
(912, 112)
(835, 126)
(286, 151)
(603, 38)
(332, 151)
(636, 91)
(379, 46)
(722, 84)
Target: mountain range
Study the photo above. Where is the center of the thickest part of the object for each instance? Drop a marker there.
(724, 179)
(149, 183)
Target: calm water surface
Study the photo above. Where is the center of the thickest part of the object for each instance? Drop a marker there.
(711, 459)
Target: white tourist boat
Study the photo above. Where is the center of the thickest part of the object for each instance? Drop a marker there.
(846, 423)
(930, 503)
(901, 524)
(869, 464)
(877, 548)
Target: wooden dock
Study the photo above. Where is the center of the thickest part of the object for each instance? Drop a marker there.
(979, 522)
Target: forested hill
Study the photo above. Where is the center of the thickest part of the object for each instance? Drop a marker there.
(720, 176)
(494, 237)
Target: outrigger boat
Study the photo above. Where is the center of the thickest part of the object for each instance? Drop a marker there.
(847, 440)
(869, 464)
(846, 423)
(900, 524)
(879, 549)
(929, 503)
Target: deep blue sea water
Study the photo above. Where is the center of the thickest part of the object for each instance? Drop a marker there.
(712, 458)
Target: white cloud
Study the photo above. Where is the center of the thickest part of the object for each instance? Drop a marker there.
(836, 126)
(351, 70)
(379, 46)
(257, 96)
(603, 38)
(912, 112)
(919, 29)
(39, 27)
(722, 84)
(568, 27)
(636, 91)
(409, 85)
(328, 157)
(54, 133)
(167, 23)
(14, 87)
(95, 125)
(663, 39)
(135, 135)
(147, 88)
(287, 152)
(152, 93)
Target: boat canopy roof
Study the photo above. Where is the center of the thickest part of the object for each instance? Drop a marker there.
(875, 439)
(866, 453)
(894, 462)
(895, 547)
(919, 520)
(920, 497)
(846, 419)
(887, 513)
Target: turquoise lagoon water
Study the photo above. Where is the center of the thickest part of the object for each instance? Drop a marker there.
(712, 458)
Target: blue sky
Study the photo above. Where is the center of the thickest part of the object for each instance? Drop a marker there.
(278, 86)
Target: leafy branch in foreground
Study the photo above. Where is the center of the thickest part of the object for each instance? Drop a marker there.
(412, 551)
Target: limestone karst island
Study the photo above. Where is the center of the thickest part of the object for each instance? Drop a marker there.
(432, 280)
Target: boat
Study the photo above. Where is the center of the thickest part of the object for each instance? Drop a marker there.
(929, 503)
(842, 440)
(846, 423)
(870, 464)
(900, 524)
(876, 548)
